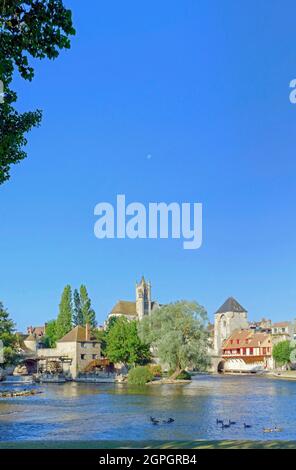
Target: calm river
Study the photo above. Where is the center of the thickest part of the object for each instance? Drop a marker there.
(106, 411)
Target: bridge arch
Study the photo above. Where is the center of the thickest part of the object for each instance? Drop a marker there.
(221, 367)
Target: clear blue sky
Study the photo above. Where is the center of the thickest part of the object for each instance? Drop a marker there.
(201, 86)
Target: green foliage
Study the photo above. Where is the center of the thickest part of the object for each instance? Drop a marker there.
(7, 336)
(281, 352)
(88, 314)
(64, 320)
(140, 375)
(178, 332)
(124, 345)
(51, 336)
(33, 28)
(77, 314)
(155, 369)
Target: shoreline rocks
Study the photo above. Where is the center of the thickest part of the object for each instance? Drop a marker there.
(168, 381)
(19, 393)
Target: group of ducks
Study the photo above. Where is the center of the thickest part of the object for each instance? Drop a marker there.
(230, 423)
(161, 421)
(246, 426)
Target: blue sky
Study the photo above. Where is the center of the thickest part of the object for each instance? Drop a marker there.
(202, 87)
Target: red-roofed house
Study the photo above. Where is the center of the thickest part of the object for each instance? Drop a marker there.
(247, 351)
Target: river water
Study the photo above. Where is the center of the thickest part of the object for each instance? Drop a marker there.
(119, 412)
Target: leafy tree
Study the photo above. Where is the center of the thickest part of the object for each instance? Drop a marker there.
(88, 314)
(281, 352)
(77, 315)
(36, 28)
(101, 335)
(51, 336)
(7, 336)
(124, 344)
(64, 320)
(178, 334)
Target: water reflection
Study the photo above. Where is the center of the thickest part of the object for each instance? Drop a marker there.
(108, 411)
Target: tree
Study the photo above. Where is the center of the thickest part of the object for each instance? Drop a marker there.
(7, 336)
(88, 314)
(36, 28)
(101, 335)
(124, 345)
(51, 336)
(64, 320)
(178, 333)
(77, 315)
(281, 352)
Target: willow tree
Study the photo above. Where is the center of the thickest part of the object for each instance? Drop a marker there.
(28, 28)
(178, 335)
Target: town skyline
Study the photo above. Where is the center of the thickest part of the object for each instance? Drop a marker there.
(131, 297)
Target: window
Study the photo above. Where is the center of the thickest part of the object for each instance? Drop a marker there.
(251, 351)
(94, 356)
(231, 341)
(82, 356)
(264, 350)
(237, 341)
(83, 345)
(95, 345)
(244, 351)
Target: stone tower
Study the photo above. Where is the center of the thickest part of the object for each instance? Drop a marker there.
(229, 317)
(143, 298)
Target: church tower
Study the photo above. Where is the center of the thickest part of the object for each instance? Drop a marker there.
(143, 298)
(229, 317)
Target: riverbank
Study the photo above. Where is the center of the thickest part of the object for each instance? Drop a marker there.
(285, 375)
(202, 444)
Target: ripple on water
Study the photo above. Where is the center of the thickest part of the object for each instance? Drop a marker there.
(107, 411)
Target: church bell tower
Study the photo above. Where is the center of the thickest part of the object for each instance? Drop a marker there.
(143, 298)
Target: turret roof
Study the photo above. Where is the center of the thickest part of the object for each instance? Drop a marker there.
(231, 305)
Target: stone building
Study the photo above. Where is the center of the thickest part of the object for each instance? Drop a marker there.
(75, 351)
(283, 331)
(141, 307)
(229, 317)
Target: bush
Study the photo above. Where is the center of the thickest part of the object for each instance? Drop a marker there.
(140, 375)
(155, 369)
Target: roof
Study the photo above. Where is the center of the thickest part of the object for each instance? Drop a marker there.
(231, 305)
(36, 330)
(124, 307)
(77, 335)
(245, 338)
(281, 324)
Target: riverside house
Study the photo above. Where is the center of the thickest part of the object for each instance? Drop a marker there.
(75, 352)
(247, 351)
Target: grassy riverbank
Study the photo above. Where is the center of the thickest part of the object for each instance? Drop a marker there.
(225, 444)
